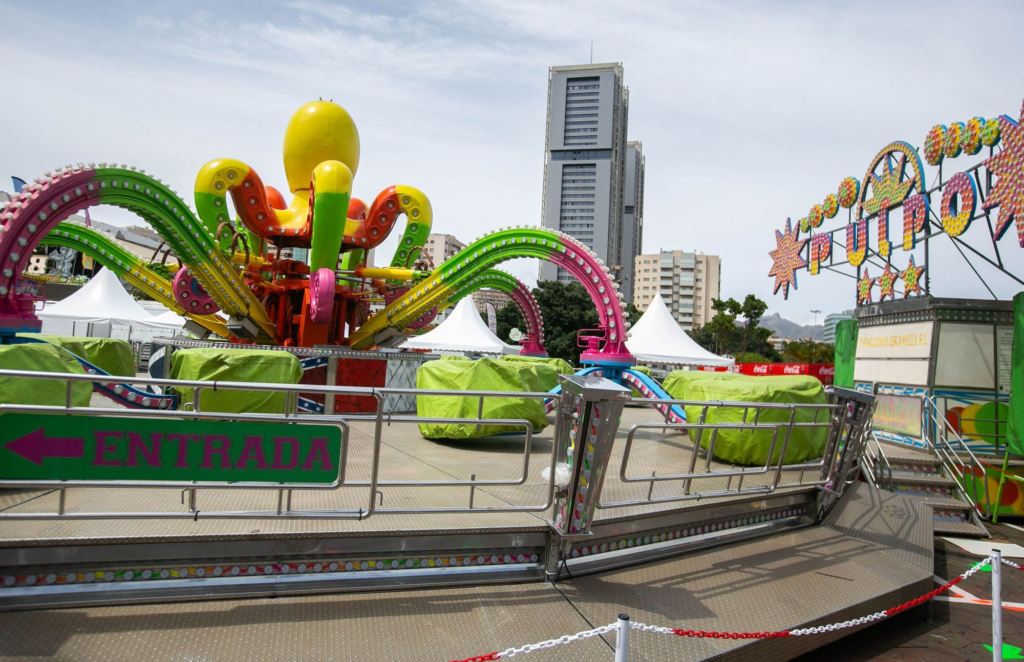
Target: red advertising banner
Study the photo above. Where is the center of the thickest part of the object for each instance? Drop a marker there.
(825, 373)
(754, 368)
(351, 372)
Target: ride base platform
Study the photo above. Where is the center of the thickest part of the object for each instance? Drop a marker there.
(872, 552)
(752, 564)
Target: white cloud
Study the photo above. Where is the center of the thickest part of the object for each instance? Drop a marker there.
(749, 112)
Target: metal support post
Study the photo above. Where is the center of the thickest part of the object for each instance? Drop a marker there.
(551, 552)
(997, 605)
(622, 639)
(590, 407)
(1002, 483)
(165, 373)
(850, 424)
(332, 380)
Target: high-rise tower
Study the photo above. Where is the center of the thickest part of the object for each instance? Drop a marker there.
(632, 217)
(585, 163)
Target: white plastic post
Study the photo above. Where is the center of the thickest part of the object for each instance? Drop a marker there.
(622, 639)
(997, 605)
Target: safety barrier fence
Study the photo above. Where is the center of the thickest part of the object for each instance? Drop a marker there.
(778, 420)
(994, 431)
(290, 414)
(879, 469)
(624, 625)
(585, 431)
(957, 459)
(944, 442)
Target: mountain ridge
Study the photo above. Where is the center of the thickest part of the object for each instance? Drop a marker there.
(785, 328)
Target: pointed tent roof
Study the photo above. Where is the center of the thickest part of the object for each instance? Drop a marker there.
(463, 331)
(658, 338)
(102, 299)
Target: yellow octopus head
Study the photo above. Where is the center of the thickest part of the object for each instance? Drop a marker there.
(319, 131)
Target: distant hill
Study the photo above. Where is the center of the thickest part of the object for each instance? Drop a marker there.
(783, 328)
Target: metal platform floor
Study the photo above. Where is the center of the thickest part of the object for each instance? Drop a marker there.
(873, 551)
(405, 455)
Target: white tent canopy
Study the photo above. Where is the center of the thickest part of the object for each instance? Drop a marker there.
(658, 338)
(168, 318)
(463, 331)
(102, 300)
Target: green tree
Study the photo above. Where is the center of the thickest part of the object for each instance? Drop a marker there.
(565, 308)
(808, 351)
(723, 325)
(724, 334)
(508, 318)
(704, 337)
(750, 357)
(753, 309)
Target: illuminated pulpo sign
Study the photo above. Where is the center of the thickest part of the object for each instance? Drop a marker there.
(896, 181)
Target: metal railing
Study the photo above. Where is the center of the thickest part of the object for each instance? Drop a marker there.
(290, 414)
(877, 462)
(392, 419)
(696, 431)
(996, 430)
(957, 459)
(828, 474)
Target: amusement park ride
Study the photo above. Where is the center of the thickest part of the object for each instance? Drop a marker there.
(231, 279)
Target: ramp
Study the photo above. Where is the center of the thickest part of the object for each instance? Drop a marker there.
(873, 551)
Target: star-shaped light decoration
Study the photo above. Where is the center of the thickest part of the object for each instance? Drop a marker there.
(864, 286)
(786, 258)
(1008, 166)
(892, 186)
(911, 278)
(886, 282)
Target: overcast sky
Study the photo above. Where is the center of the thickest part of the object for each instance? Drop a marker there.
(749, 112)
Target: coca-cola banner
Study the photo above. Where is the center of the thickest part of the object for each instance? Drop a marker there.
(824, 372)
(754, 368)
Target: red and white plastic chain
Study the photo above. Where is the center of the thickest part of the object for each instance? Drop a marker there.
(550, 643)
(1011, 564)
(819, 629)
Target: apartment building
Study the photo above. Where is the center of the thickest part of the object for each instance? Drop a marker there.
(830, 324)
(440, 247)
(687, 282)
(496, 298)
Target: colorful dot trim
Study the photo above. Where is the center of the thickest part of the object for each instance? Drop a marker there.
(688, 532)
(262, 569)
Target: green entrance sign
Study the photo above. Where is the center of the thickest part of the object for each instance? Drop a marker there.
(65, 447)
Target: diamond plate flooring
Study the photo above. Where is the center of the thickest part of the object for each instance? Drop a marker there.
(422, 625)
(864, 558)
